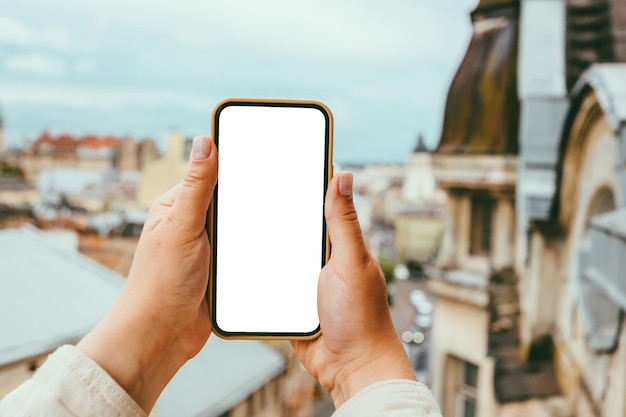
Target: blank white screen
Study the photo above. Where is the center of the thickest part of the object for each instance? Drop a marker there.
(269, 218)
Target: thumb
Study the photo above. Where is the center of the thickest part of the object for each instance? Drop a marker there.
(342, 221)
(196, 189)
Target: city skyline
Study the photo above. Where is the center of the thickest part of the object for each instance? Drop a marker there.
(141, 69)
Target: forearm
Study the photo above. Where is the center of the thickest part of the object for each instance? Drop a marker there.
(139, 354)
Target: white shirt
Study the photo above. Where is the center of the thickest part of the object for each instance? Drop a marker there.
(70, 383)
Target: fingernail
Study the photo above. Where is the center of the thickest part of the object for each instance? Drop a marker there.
(201, 148)
(345, 184)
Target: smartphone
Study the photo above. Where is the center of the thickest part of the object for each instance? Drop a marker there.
(266, 221)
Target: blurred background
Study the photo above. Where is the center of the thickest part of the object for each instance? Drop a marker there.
(488, 143)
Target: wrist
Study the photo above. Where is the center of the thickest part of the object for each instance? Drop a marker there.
(391, 363)
(140, 355)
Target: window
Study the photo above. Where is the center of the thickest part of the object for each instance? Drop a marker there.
(480, 235)
(466, 390)
(600, 271)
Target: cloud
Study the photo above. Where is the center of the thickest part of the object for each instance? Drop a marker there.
(383, 67)
(361, 32)
(358, 31)
(35, 63)
(14, 32)
(99, 97)
(84, 65)
(350, 32)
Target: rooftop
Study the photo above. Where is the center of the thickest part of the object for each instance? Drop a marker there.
(482, 108)
(70, 142)
(223, 374)
(609, 84)
(605, 84)
(48, 296)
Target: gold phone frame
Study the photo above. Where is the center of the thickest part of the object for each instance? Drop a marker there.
(212, 211)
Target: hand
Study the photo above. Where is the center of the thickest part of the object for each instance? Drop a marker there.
(359, 344)
(161, 319)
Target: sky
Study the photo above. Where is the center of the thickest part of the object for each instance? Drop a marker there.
(142, 68)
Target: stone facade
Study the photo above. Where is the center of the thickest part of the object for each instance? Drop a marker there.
(564, 293)
(476, 367)
(541, 311)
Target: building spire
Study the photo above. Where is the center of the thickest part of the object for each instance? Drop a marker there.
(421, 145)
(482, 108)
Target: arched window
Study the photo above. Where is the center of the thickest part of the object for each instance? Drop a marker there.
(600, 272)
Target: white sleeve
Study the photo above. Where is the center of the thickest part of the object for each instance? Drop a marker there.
(69, 383)
(392, 398)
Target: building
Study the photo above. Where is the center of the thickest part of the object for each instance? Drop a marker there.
(476, 164)
(112, 250)
(418, 233)
(571, 174)
(529, 300)
(90, 152)
(572, 291)
(399, 207)
(418, 222)
(236, 378)
(133, 155)
(17, 197)
(160, 175)
(50, 152)
(17, 193)
(419, 183)
(382, 187)
(51, 295)
(240, 378)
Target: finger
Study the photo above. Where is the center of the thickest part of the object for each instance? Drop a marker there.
(165, 200)
(342, 221)
(160, 206)
(196, 189)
